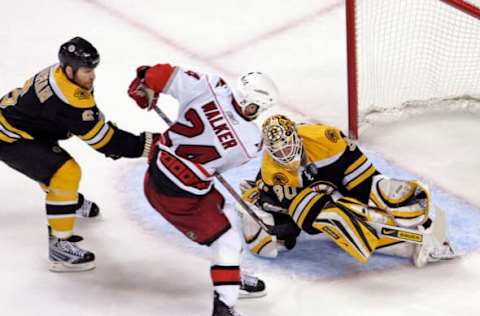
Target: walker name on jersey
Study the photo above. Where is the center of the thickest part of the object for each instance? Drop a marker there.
(219, 125)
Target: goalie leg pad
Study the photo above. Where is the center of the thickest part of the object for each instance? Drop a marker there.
(407, 201)
(392, 247)
(350, 233)
(435, 246)
(258, 241)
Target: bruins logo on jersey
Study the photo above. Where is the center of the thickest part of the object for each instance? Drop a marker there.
(331, 135)
(88, 115)
(280, 178)
(81, 94)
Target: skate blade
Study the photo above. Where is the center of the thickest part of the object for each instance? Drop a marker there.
(56, 266)
(247, 295)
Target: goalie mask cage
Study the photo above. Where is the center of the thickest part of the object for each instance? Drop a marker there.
(404, 51)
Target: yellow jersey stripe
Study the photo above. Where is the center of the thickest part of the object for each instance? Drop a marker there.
(11, 129)
(297, 200)
(94, 131)
(361, 178)
(356, 164)
(6, 139)
(105, 140)
(307, 209)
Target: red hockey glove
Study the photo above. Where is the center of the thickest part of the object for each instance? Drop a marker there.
(144, 97)
(148, 84)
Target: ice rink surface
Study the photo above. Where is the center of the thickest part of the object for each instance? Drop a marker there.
(144, 267)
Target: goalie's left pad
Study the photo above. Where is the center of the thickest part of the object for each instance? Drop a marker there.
(261, 243)
(258, 241)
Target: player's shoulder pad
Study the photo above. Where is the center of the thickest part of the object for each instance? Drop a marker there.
(69, 92)
(322, 137)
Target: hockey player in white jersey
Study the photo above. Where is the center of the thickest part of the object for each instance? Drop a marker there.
(214, 132)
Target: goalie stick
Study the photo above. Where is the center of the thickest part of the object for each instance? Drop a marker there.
(268, 228)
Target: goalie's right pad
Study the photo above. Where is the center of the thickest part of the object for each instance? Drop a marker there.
(259, 242)
(315, 212)
(435, 246)
(348, 231)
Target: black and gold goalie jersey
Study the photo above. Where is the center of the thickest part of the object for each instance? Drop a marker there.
(329, 157)
(50, 107)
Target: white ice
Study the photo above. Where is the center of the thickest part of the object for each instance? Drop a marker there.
(141, 272)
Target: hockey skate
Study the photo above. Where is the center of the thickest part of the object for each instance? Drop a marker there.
(251, 287)
(66, 256)
(435, 246)
(87, 209)
(221, 309)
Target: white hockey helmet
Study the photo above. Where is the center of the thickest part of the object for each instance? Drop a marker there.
(282, 141)
(255, 88)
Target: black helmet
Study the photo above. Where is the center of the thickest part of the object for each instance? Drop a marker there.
(77, 53)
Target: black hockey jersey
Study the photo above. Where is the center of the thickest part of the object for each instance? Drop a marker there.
(331, 158)
(50, 107)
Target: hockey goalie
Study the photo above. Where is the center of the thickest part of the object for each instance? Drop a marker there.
(313, 179)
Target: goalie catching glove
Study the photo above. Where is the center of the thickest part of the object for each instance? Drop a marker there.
(251, 194)
(259, 242)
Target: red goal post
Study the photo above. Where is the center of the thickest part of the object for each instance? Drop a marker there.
(405, 50)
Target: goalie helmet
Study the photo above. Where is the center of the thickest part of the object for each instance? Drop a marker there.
(282, 141)
(255, 88)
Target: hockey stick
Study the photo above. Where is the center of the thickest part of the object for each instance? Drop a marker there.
(268, 228)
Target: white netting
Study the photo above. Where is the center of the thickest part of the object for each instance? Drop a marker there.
(413, 53)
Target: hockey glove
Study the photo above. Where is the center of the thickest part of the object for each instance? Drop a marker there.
(145, 97)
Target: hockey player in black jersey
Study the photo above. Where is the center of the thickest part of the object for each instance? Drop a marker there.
(54, 105)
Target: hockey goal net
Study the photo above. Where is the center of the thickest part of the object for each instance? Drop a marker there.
(411, 53)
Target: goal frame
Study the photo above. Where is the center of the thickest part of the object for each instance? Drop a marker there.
(352, 66)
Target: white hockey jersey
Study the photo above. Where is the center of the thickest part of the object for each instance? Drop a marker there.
(209, 130)
(209, 135)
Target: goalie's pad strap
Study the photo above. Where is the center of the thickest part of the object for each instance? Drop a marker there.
(350, 233)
